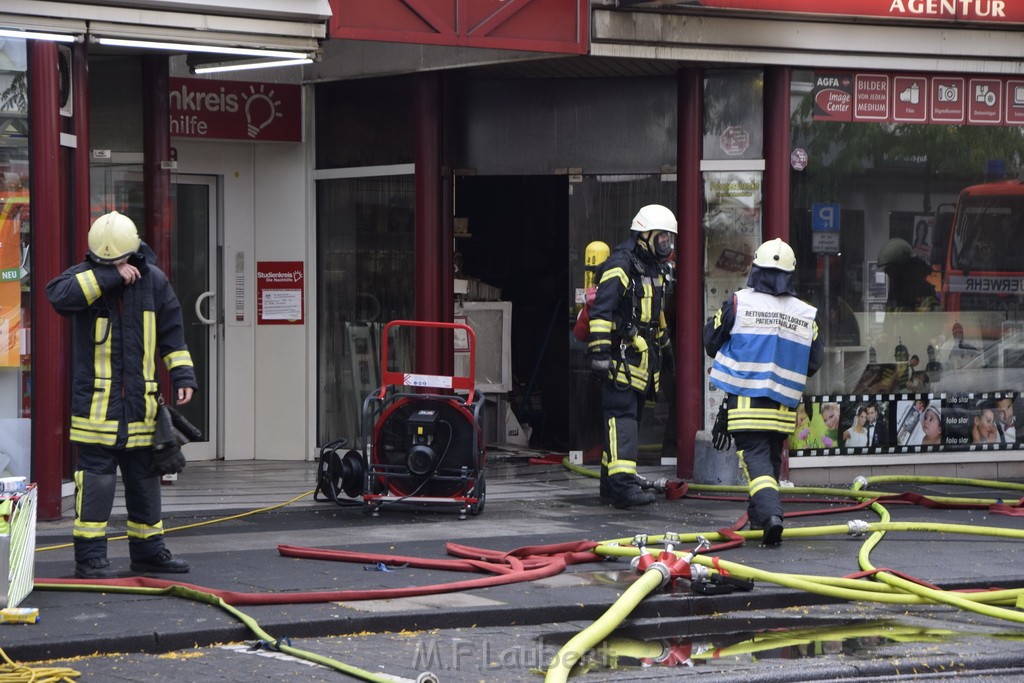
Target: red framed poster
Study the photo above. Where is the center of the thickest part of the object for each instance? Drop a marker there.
(279, 292)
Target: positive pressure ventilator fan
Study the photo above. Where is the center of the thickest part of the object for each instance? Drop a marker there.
(418, 448)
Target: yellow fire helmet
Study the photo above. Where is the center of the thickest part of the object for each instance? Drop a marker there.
(112, 237)
(775, 254)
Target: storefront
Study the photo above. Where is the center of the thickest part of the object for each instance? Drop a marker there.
(839, 129)
(90, 121)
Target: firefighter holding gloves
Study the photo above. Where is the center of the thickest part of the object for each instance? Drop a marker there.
(628, 344)
(124, 316)
(765, 344)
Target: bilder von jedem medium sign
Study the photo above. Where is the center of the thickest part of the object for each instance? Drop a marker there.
(235, 110)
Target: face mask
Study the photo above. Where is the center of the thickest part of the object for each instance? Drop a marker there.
(659, 243)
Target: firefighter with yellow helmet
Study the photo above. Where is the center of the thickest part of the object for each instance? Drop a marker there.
(765, 343)
(124, 316)
(628, 344)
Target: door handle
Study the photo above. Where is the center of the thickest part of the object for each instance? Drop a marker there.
(199, 308)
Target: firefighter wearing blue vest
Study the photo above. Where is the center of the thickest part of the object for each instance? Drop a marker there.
(628, 344)
(765, 344)
(124, 317)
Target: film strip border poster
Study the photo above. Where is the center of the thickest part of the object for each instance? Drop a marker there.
(907, 423)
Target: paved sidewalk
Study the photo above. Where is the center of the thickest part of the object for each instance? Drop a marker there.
(526, 505)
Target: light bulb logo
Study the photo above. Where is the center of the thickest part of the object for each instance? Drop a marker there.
(260, 110)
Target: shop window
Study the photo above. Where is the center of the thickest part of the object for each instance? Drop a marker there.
(364, 123)
(923, 300)
(15, 231)
(365, 241)
(601, 207)
(733, 114)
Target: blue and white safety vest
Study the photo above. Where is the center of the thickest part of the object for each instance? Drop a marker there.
(768, 349)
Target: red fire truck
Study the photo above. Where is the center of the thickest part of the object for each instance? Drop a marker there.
(984, 263)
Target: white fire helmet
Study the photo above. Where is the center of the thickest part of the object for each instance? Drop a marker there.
(775, 254)
(657, 228)
(112, 237)
(654, 217)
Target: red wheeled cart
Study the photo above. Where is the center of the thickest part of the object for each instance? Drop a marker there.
(418, 448)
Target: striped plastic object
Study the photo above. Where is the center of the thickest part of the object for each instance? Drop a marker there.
(17, 546)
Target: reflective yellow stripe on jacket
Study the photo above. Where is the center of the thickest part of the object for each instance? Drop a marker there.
(744, 418)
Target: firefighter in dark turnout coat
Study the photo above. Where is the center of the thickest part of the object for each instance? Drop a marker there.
(628, 344)
(765, 344)
(124, 317)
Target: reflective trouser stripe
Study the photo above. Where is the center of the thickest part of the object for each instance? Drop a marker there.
(611, 458)
(89, 529)
(621, 437)
(136, 530)
(761, 483)
(101, 487)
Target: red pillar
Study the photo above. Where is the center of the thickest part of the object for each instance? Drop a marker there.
(776, 167)
(156, 149)
(689, 270)
(430, 239)
(776, 152)
(156, 180)
(50, 348)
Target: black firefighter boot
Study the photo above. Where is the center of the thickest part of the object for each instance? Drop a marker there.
(626, 491)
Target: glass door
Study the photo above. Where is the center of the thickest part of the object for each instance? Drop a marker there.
(195, 230)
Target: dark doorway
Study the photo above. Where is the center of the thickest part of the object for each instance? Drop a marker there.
(518, 241)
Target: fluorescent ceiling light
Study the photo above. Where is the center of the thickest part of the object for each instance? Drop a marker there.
(36, 35)
(216, 68)
(213, 49)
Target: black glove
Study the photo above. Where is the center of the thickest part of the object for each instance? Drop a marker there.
(720, 437)
(668, 358)
(168, 460)
(600, 365)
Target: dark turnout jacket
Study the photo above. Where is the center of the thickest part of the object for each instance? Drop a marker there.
(118, 333)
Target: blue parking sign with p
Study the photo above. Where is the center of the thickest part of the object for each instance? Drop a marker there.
(825, 217)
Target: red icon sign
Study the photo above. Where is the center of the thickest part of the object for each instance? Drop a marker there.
(910, 99)
(984, 100)
(1014, 101)
(871, 97)
(948, 99)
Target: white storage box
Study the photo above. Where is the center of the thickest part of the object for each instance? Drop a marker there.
(17, 546)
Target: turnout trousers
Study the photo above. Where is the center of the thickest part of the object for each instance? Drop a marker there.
(761, 457)
(622, 409)
(95, 482)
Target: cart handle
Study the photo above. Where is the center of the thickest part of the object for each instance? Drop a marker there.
(400, 378)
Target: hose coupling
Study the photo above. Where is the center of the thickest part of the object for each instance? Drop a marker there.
(660, 485)
(427, 677)
(857, 527)
(860, 483)
(662, 569)
(699, 572)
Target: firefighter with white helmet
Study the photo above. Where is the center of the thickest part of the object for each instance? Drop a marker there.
(765, 344)
(629, 343)
(124, 316)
